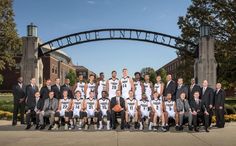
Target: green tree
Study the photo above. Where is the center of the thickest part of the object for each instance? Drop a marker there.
(72, 76)
(151, 72)
(163, 74)
(221, 16)
(10, 43)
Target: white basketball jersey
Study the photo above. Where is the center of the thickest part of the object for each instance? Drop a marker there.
(126, 86)
(91, 87)
(148, 90)
(104, 104)
(156, 103)
(78, 104)
(113, 86)
(144, 105)
(169, 106)
(131, 104)
(91, 104)
(65, 104)
(138, 90)
(101, 87)
(157, 87)
(80, 87)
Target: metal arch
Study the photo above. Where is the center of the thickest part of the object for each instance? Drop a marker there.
(117, 34)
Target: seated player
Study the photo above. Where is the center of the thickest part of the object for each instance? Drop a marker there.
(63, 111)
(170, 111)
(144, 111)
(90, 106)
(131, 105)
(77, 108)
(104, 110)
(157, 109)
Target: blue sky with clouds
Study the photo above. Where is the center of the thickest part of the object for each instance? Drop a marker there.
(56, 18)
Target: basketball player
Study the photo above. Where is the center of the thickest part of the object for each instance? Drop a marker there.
(77, 108)
(104, 110)
(63, 111)
(144, 107)
(159, 86)
(101, 85)
(112, 85)
(131, 105)
(126, 83)
(170, 111)
(80, 86)
(148, 87)
(90, 106)
(157, 109)
(138, 86)
(90, 86)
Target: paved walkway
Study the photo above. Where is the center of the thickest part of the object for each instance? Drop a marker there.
(18, 136)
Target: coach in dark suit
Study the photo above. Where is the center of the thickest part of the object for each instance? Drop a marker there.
(44, 91)
(67, 87)
(31, 89)
(170, 87)
(207, 95)
(199, 112)
(193, 88)
(219, 97)
(181, 88)
(19, 101)
(56, 89)
(117, 100)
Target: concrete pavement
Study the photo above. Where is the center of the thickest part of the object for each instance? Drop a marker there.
(18, 136)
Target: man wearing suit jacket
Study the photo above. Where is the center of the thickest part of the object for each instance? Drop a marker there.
(45, 89)
(117, 100)
(49, 109)
(56, 89)
(33, 110)
(31, 89)
(67, 87)
(170, 87)
(19, 101)
(219, 97)
(193, 88)
(207, 95)
(184, 110)
(199, 112)
(181, 88)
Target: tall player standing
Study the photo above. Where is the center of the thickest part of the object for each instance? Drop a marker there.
(159, 86)
(101, 85)
(112, 85)
(90, 86)
(138, 86)
(148, 87)
(127, 84)
(80, 86)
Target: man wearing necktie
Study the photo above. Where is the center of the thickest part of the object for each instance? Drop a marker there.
(56, 88)
(193, 88)
(44, 91)
(181, 89)
(207, 97)
(31, 89)
(19, 101)
(117, 107)
(170, 87)
(67, 87)
(219, 101)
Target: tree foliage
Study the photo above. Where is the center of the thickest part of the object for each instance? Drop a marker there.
(221, 16)
(72, 76)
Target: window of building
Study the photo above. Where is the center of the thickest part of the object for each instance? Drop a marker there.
(52, 69)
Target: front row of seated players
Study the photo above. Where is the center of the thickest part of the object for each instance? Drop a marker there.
(84, 112)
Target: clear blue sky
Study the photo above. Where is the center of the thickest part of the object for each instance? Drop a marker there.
(56, 18)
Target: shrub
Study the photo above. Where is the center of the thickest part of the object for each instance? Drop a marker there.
(229, 109)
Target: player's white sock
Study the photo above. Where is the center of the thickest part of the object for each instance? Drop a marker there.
(141, 126)
(150, 126)
(100, 125)
(108, 125)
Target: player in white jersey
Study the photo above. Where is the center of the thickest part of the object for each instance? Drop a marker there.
(101, 85)
(126, 83)
(148, 87)
(77, 108)
(63, 111)
(170, 111)
(131, 106)
(144, 108)
(90, 106)
(112, 85)
(138, 86)
(104, 110)
(90, 86)
(80, 86)
(157, 109)
(159, 86)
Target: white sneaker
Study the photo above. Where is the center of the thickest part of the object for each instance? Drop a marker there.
(108, 127)
(66, 126)
(150, 126)
(55, 127)
(141, 126)
(100, 127)
(86, 127)
(95, 127)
